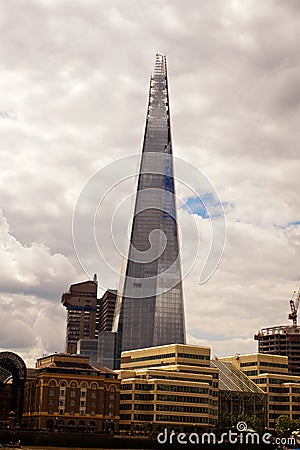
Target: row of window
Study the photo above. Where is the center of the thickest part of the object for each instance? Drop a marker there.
(185, 409)
(189, 419)
(147, 358)
(182, 399)
(74, 384)
(192, 356)
(174, 388)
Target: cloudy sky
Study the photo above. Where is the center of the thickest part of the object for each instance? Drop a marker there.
(74, 83)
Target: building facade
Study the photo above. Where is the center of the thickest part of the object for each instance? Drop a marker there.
(270, 373)
(169, 386)
(101, 349)
(282, 340)
(239, 396)
(81, 304)
(106, 308)
(64, 392)
(149, 310)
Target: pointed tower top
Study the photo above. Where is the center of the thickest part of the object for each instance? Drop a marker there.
(160, 66)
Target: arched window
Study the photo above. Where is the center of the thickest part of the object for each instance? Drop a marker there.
(62, 384)
(52, 383)
(83, 385)
(94, 386)
(73, 385)
(112, 389)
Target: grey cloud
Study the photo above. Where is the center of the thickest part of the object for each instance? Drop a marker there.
(75, 76)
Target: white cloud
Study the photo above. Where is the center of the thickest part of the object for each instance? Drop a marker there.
(75, 79)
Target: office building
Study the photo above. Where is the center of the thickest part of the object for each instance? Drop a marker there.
(270, 373)
(168, 386)
(239, 396)
(149, 309)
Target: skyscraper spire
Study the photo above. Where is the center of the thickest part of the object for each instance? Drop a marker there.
(150, 309)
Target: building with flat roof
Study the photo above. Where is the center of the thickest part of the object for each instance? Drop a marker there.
(168, 386)
(270, 373)
(282, 340)
(106, 312)
(239, 395)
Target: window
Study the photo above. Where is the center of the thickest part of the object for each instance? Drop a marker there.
(72, 403)
(94, 386)
(51, 393)
(52, 383)
(61, 403)
(73, 385)
(93, 394)
(83, 385)
(112, 389)
(63, 384)
(93, 413)
(73, 394)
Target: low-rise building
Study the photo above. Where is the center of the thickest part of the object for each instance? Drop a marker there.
(270, 373)
(168, 386)
(239, 396)
(65, 392)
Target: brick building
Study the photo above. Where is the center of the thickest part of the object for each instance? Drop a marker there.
(65, 392)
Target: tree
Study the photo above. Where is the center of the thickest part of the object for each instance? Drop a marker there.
(284, 423)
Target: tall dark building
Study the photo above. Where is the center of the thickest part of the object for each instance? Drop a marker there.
(81, 304)
(101, 347)
(106, 310)
(149, 310)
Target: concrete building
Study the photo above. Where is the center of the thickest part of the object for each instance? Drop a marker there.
(149, 309)
(64, 392)
(106, 306)
(238, 396)
(281, 340)
(270, 373)
(101, 349)
(168, 386)
(81, 304)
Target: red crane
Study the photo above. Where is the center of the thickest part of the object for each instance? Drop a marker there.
(294, 304)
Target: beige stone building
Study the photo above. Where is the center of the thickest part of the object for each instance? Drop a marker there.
(168, 386)
(270, 373)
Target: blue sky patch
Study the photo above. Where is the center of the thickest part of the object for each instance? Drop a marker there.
(294, 223)
(197, 205)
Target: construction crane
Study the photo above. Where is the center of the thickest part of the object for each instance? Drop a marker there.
(294, 304)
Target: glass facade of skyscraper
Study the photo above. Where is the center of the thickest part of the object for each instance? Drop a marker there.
(149, 310)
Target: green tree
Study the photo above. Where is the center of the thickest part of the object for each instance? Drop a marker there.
(284, 423)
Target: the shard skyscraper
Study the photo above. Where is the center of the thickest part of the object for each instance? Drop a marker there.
(149, 310)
